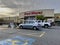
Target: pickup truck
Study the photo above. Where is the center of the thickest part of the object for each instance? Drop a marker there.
(44, 24)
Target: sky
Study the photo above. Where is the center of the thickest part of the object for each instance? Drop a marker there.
(13, 7)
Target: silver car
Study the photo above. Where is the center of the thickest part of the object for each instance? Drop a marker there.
(33, 24)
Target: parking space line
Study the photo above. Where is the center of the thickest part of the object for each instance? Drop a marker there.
(33, 34)
(42, 34)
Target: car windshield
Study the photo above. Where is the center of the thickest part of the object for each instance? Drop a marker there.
(38, 21)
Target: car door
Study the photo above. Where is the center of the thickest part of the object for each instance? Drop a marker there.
(25, 25)
(30, 24)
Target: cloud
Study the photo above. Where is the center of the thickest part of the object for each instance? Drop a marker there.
(2, 5)
(19, 3)
(7, 12)
(16, 6)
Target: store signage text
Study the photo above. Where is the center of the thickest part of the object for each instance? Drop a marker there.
(29, 13)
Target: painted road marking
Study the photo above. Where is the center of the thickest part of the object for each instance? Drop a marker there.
(26, 43)
(33, 34)
(18, 40)
(42, 34)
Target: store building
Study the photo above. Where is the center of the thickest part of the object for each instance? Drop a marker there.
(57, 18)
(48, 13)
(14, 19)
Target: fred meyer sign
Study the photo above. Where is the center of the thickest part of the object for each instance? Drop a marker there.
(32, 13)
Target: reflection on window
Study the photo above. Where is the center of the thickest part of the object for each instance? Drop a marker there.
(31, 21)
(25, 22)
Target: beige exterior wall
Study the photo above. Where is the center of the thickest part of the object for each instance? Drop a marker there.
(57, 16)
(14, 19)
(45, 13)
(48, 12)
(21, 15)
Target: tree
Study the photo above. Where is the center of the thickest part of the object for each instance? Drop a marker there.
(40, 17)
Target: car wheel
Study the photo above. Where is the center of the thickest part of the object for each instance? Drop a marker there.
(34, 28)
(46, 26)
(21, 27)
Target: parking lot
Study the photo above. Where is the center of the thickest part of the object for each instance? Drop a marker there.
(43, 37)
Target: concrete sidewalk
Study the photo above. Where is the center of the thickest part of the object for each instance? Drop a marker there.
(3, 26)
(6, 27)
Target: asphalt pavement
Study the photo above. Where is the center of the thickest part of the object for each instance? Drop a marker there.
(50, 36)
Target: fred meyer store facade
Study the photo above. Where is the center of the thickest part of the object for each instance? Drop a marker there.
(30, 15)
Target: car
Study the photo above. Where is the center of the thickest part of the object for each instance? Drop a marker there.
(33, 24)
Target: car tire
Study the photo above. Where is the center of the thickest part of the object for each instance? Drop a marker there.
(34, 28)
(21, 27)
(46, 26)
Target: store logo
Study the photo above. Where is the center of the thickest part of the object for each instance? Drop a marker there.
(29, 13)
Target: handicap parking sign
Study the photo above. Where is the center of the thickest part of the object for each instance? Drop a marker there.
(18, 40)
